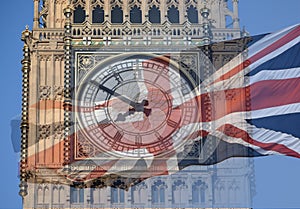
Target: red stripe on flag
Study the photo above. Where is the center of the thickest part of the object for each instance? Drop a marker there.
(260, 95)
(281, 42)
(235, 132)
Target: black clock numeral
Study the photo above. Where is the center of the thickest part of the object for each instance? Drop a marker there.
(138, 140)
(158, 76)
(172, 123)
(118, 136)
(118, 77)
(104, 123)
(158, 136)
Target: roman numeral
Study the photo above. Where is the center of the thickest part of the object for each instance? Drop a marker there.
(138, 140)
(104, 123)
(118, 78)
(118, 136)
(172, 123)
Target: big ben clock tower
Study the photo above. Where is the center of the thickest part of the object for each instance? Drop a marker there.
(107, 84)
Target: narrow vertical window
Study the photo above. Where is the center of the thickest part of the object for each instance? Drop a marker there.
(154, 15)
(98, 15)
(173, 14)
(135, 15)
(192, 14)
(77, 195)
(79, 15)
(117, 15)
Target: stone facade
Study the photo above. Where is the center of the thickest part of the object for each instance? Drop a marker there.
(61, 27)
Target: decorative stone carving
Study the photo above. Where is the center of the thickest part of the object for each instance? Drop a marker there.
(45, 92)
(58, 93)
(44, 131)
(58, 131)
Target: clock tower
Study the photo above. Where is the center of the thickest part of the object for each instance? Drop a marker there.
(84, 55)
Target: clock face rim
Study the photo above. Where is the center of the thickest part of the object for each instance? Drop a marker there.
(124, 57)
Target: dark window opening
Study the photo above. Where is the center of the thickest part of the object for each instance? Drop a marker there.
(117, 15)
(77, 195)
(154, 15)
(79, 15)
(173, 14)
(117, 195)
(135, 15)
(192, 14)
(98, 15)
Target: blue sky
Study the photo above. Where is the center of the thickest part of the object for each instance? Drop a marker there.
(277, 178)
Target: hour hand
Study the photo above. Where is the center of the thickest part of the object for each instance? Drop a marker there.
(114, 93)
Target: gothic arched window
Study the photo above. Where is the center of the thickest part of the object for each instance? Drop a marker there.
(173, 14)
(198, 192)
(79, 15)
(117, 195)
(158, 192)
(154, 15)
(135, 15)
(117, 15)
(192, 14)
(77, 195)
(98, 15)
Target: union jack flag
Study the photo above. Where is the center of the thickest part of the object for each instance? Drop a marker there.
(254, 110)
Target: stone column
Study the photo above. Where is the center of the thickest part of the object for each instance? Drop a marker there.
(236, 21)
(36, 14)
(51, 19)
(163, 10)
(126, 10)
(106, 11)
(26, 66)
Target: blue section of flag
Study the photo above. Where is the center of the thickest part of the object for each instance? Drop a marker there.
(224, 151)
(255, 39)
(285, 60)
(289, 123)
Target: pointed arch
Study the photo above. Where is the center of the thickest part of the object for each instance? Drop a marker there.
(154, 15)
(198, 192)
(40, 195)
(79, 14)
(136, 14)
(158, 192)
(47, 196)
(117, 195)
(55, 194)
(117, 15)
(192, 14)
(98, 15)
(173, 14)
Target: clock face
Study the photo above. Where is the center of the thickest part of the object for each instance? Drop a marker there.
(137, 106)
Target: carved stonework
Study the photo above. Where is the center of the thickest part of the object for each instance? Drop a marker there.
(58, 131)
(58, 93)
(45, 92)
(44, 131)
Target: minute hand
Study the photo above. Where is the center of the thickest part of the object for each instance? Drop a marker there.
(121, 97)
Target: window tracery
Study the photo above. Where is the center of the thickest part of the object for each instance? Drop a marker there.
(152, 3)
(79, 14)
(173, 14)
(179, 194)
(192, 14)
(158, 192)
(135, 14)
(98, 14)
(154, 14)
(198, 191)
(117, 14)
